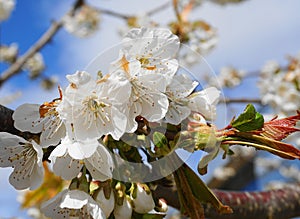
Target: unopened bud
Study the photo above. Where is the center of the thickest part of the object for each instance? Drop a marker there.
(142, 198)
(106, 204)
(124, 210)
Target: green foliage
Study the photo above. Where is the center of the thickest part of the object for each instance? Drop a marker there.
(249, 120)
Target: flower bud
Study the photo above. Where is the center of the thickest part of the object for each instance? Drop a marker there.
(106, 204)
(142, 198)
(123, 211)
(162, 205)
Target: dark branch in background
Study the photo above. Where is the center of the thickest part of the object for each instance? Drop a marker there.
(126, 17)
(243, 167)
(241, 100)
(113, 13)
(159, 8)
(7, 124)
(280, 203)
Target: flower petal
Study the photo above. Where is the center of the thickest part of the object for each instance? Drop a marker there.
(100, 164)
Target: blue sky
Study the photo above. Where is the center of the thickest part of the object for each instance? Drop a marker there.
(249, 34)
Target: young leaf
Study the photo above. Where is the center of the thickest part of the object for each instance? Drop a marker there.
(193, 191)
(202, 192)
(278, 148)
(279, 129)
(160, 140)
(249, 120)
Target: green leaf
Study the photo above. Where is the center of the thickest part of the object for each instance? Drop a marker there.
(249, 120)
(192, 191)
(202, 192)
(160, 140)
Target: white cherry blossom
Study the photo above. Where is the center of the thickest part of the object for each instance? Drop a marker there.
(178, 91)
(35, 65)
(69, 157)
(41, 118)
(6, 7)
(8, 53)
(94, 107)
(204, 102)
(83, 22)
(72, 204)
(228, 77)
(154, 48)
(140, 20)
(147, 92)
(26, 159)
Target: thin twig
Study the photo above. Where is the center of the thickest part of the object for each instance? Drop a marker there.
(17, 66)
(159, 8)
(113, 13)
(241, 100)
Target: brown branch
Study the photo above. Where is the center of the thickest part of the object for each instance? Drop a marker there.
(126, 17)
(241, 100)
(243, 167)
(45, 38)
(16, 67)
(159, 8)
(278, 203)
(7, 124)
(113, 13)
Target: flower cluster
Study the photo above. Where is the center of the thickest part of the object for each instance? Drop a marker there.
(8, 53)
(142, 83)
(35, 65)
(83, 22)
(283, 95)
(228, 77)
(6, 7)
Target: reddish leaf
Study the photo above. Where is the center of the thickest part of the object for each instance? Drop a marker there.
(278, 148)
(279, 129)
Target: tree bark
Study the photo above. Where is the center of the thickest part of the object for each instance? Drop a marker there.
(274, 204)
